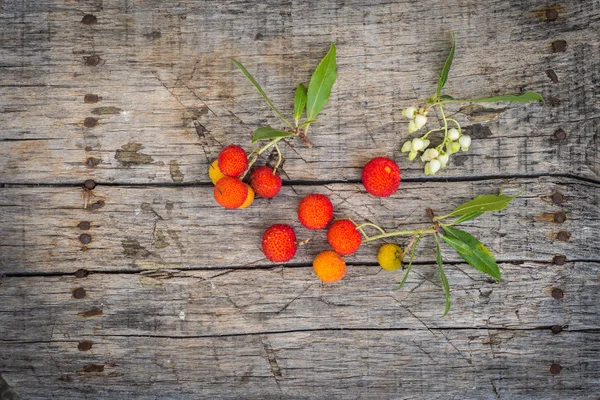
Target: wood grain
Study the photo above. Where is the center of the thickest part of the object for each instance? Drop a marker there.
(168, 99)
(148, 228)
(335, 364)
(156, 292)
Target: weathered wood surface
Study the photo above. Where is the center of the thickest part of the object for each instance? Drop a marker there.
(180, 303)
(150, 228)
(168, 99)
(367, 364)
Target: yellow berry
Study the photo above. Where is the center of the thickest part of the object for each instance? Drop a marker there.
(390, 256)
(214, 172)
(249, 199)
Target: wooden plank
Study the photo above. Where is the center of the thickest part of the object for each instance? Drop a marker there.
(335, 364)
(133, 228)
(208, 303)
(166, 98)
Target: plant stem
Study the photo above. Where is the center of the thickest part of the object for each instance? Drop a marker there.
(373, 225)
(457, 124)
(433, 130)
(257, 153)
(445, 127)
(399, 233)
(279, 158)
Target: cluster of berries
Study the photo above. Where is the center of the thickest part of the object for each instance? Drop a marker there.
(380, 177)
(434, 157)
(227, 174)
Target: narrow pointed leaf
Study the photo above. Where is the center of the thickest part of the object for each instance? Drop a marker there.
(310, 121)
(260, 89)
(299, 102)
(268, 133)
(410, 262)
(467, 217)
(447, 65)
(321, 83)
(458, 245)
(479, 258)
(445, 285)
(484, 203)
(513, 98)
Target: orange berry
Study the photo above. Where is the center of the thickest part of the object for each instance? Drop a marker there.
(233, 161)
(329, 266)
(315, 211)
(214, 172)
(265, 183)
(249, 198)
(344, 237)
(381, 177)
(230, 192)
(279, 243)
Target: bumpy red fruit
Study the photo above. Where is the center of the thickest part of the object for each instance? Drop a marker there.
(279, 243)
(264, 182)
(381, 177)
(233, 161)
(230, 192)
(315, 211)
(344, 237)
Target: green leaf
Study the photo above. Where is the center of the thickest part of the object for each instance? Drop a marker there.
(479, 258)
(514, 98)
(299, 102)
(310, 121)
(458, 245)
(438, 259)
(466, 217)
(320, 84)
(447, 65)
(268, 133)
(260, 90)
(484, 203)
(412, 256)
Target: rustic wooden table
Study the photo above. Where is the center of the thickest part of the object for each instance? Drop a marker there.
(155, 292)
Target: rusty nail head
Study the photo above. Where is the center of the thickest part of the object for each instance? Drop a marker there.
(563, 236)
(92, 60)
(79, 293)
(559, 259)
(91, 162)
(90, 19)
(88, 148)
(555, 368)
(84, 225)
(89, 184)
(557, 329)
(85, 238)
(90, 98)
(560, 134)
(551, 14)
(81, 273)
(559, 46)
(557, 293)
(84, 346)
(557, 198)
(90, 122)
(554, 101)
(560, 217)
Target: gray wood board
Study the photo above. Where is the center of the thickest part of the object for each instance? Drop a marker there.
(168, 98)
(333, 364)
(184, 227)
(204, 303)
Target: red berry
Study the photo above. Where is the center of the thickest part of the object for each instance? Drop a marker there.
(264, 182)
(344, 237)
(279, 243)
(381, 177)
(230, 192)
(233, 161)
(315, 211)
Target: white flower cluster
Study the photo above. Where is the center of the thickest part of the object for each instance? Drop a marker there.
(435, 157)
